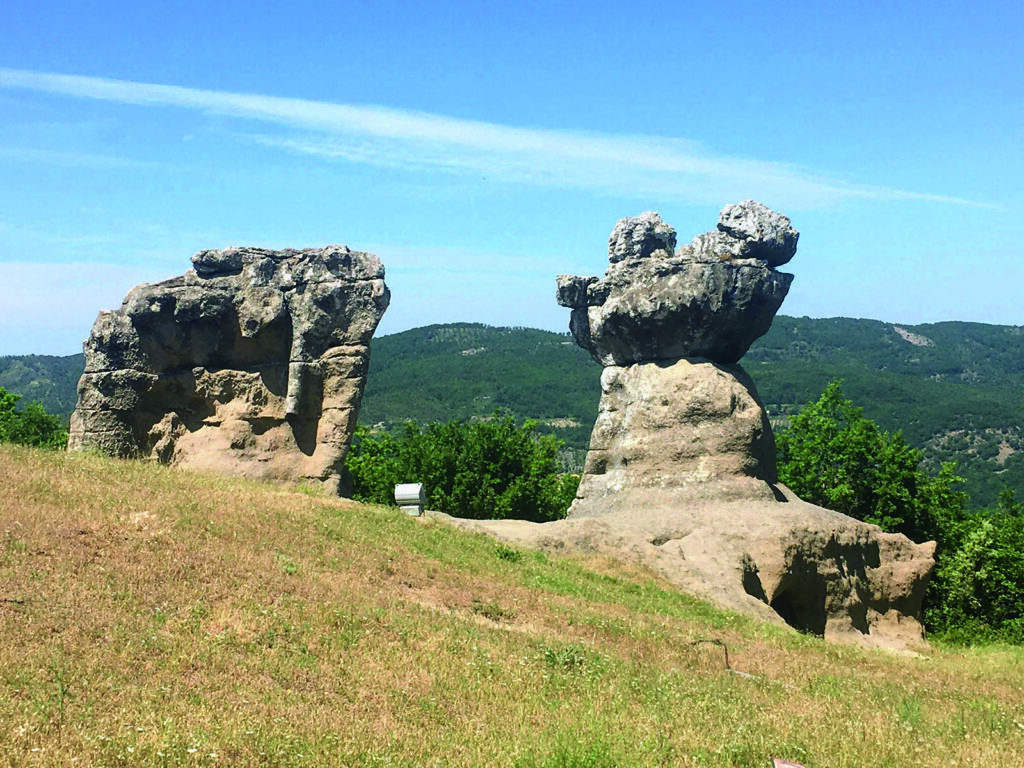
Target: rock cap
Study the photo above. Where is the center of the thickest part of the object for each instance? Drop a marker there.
(711, 299)
(641, 237)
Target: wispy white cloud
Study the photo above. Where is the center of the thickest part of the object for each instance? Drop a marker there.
(77, 159)
(632, 165)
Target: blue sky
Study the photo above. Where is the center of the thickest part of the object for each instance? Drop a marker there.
(481, 149)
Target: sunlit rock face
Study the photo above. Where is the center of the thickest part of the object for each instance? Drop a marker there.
(252, 363)
(709, 299)
(669, 327)
(681, 469)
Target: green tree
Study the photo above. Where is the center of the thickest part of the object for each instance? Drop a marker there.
(30, 425)
(833, 456)
(489, 469)
(977, 592)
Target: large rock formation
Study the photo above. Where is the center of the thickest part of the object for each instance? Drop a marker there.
(669, 326)
(711, 299)
(252, 363)
(681, 469)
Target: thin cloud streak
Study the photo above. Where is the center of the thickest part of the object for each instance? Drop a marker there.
(631, 165)
(76, 159)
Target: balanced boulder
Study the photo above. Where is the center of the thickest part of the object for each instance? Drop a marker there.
(710, 299)
(681, 471)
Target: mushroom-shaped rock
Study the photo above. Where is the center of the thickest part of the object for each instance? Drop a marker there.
(712, 299)
(681, 467)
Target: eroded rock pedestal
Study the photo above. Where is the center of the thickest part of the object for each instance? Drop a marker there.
(690, 427)
(252, 363)
(677, 411)
(681, 470)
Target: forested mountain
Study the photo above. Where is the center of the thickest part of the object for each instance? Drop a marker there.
(463, 371)
(49, 379)
(955, 389)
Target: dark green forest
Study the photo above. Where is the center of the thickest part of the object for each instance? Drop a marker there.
(47, 379)
(954, 389)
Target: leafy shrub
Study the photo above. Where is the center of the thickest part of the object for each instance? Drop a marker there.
(30, 425)
(977, 594)
(833, 456)
(489, 469)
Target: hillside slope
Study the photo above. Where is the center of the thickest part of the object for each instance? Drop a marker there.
(956, 390)
(465, 371)
(50, 379)
(152, 617)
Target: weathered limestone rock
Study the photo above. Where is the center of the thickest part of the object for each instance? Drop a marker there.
(695, 428)
(253, 363)
(640, 237)
(749, 230)
(653, 304)
(681, 469)
(676, 410)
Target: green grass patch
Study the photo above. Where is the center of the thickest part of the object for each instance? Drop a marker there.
(158, 618)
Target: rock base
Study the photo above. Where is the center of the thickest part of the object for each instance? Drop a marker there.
(692, 427)
(785, 562)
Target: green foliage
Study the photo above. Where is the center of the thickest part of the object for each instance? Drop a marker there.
(30, 425)
(977, 593)
(956, 391)
(489, 469)
(832, 455)
(48, 379)
(465, 371)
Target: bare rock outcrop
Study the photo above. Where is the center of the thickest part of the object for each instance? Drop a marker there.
(785, 561)
(252, 363)
(676, 409)
(690, 427)
(709, 299)
(681, 468)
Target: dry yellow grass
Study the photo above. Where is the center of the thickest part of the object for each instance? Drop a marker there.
(152, 617)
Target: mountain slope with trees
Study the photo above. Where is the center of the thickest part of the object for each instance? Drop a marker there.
(48, 379)
(955, 390)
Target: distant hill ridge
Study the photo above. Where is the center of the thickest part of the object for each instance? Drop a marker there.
(956, 389)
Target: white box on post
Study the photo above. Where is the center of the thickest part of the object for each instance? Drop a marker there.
(410, 497)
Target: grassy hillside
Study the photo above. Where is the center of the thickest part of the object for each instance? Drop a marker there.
(150, 617)
(956, 390)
